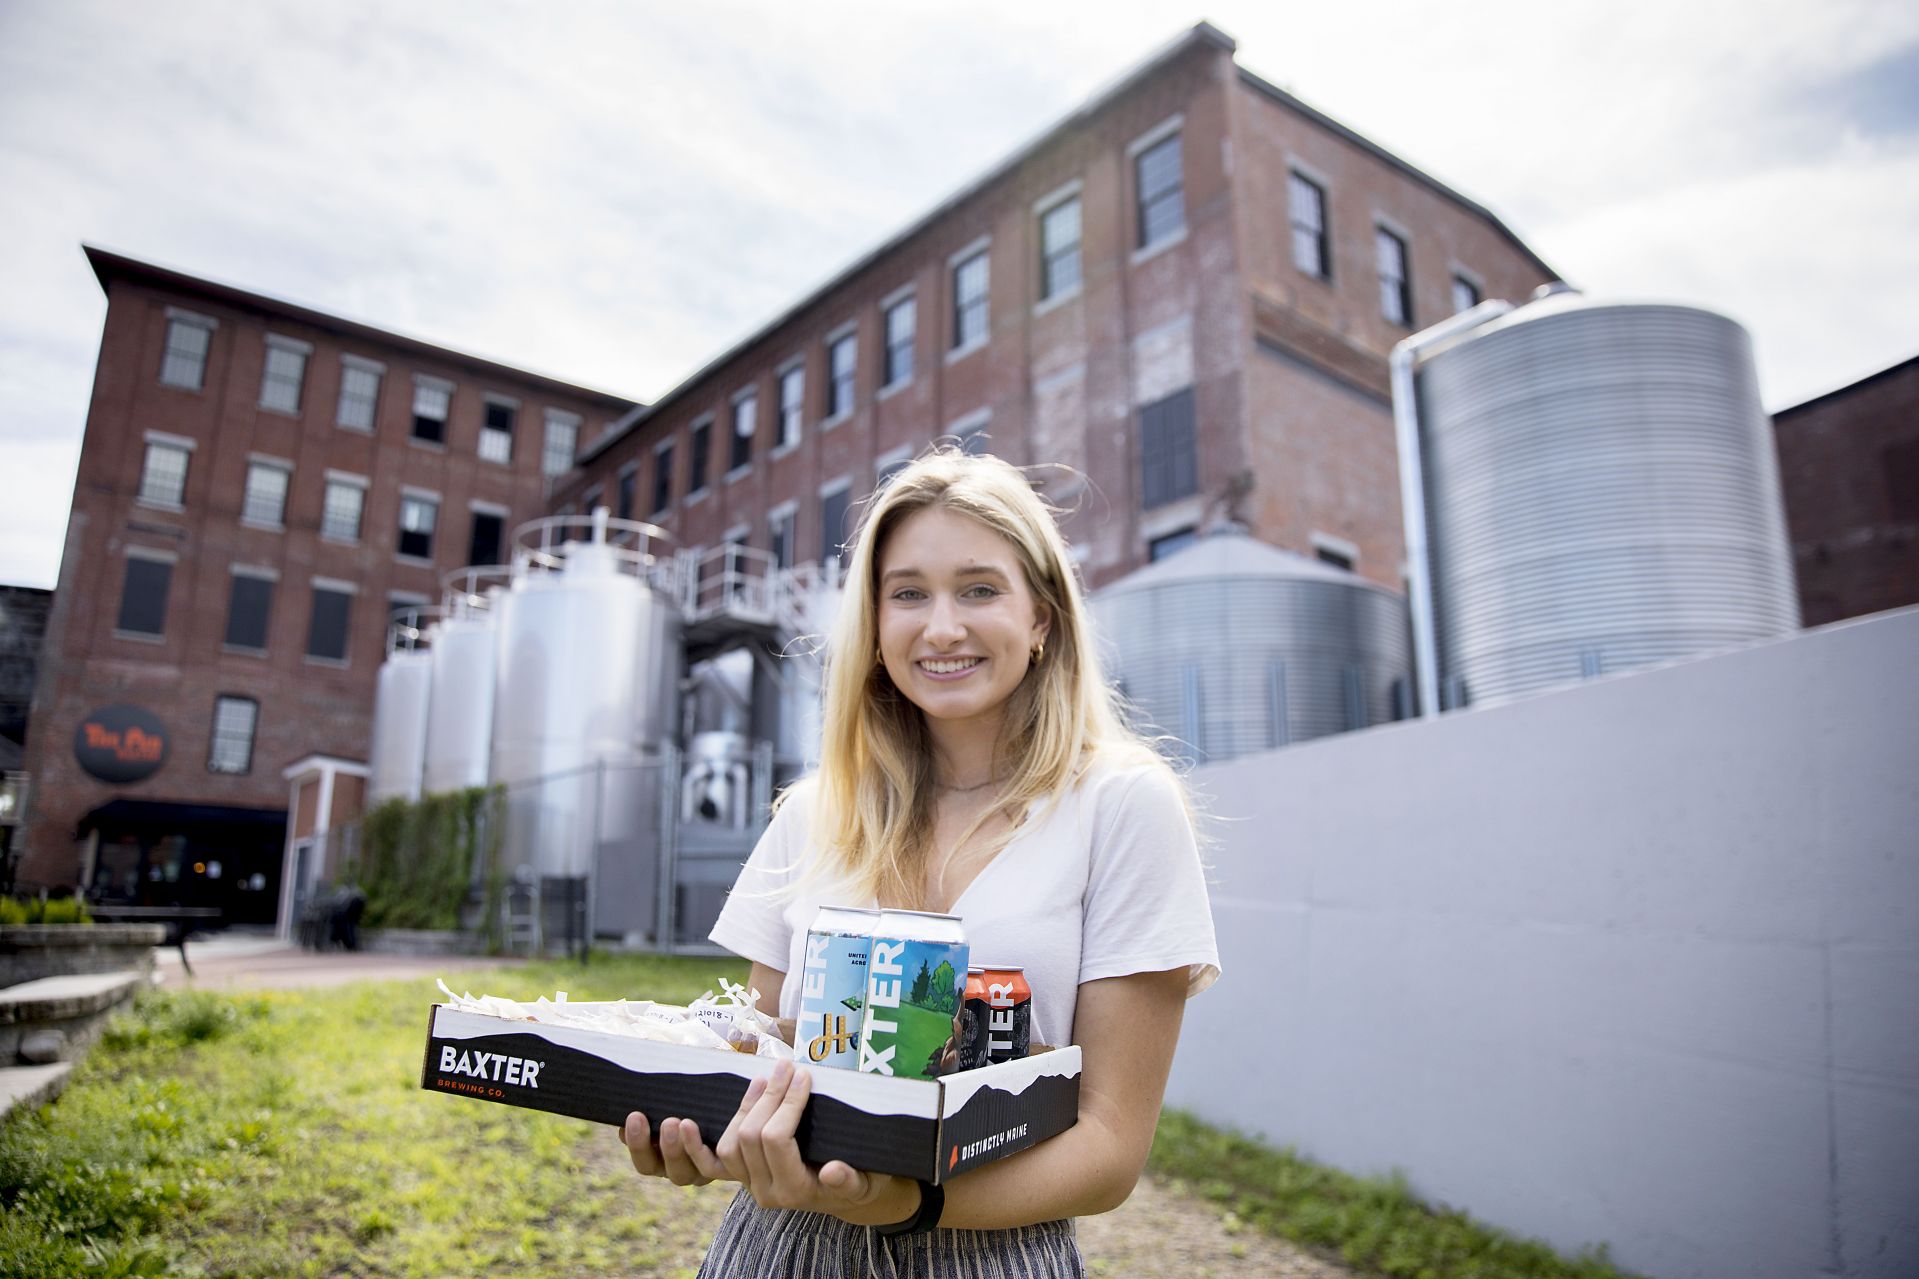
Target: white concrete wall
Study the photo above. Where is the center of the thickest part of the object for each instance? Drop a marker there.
(1635, 962)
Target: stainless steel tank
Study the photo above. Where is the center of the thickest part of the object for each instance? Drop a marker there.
(1601, 494)
(463, 645)
(402, 697)
(1232, 646)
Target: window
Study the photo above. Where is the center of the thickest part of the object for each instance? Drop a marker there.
(496, 431)
(1465, 294)
(163, 476)
(663, 478)
(432, 399)
(249, 604)
(841, 356)
(418, 515)
(1306, 200)
(1395, 289)
(739, 444)
(779, 527)
(1162, 198)
(902, 322)
(143, 596)
(969, 302)
(1059, 249)
(286, 369)
(625, 489)
(888, 466)
(340, 515)
(483, 546)
(561, 443)
(185, 362)
(332, 609)
(1332, 555)
(700, 448)
(792, 405)
(1168, 452)
(359, 393)
(833, 508)
(234, 719)
(1160, 547)
(266, 495)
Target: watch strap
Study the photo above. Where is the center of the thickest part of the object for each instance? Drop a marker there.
(932, 1203)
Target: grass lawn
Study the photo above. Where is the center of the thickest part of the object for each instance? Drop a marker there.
(286, 1133)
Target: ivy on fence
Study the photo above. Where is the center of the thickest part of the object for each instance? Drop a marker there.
(419, 861)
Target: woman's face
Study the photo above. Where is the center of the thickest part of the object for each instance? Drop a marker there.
(957, 621)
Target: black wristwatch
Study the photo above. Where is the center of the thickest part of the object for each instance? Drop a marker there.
(927, 1219)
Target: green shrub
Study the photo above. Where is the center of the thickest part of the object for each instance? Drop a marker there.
(418, 861)
(44, 910)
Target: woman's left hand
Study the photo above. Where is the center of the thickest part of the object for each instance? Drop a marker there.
(759, 1150)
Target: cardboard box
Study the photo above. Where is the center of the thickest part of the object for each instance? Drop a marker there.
(931, 1129)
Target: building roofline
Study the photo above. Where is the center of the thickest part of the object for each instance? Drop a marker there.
(109, 266)
(1199, 35)
(1425, 179)
(1858, 384)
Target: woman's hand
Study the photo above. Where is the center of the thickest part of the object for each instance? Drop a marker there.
(759, 1151)
(681, 1156)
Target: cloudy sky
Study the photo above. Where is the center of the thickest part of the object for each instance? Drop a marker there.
(614, 192)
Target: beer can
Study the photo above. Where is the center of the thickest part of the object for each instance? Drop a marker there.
(973, 1014)
(833, 987)
(914, 984)
(1009, 1013)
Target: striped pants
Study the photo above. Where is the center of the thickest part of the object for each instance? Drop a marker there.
(759, 1243)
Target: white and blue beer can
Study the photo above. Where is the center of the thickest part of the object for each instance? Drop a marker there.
(833, 987)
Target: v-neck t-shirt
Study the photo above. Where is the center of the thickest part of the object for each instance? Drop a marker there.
(1105, 881)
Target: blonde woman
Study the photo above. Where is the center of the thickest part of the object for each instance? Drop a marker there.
(973, 763)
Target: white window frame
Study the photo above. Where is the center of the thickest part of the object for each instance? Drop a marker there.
(253, 734)
(164, 440)
(345, 479)
(1296, 167)
(557, 418)
(797, 415)
(1457, 273)
(266, 462)
(419, 495)
(179, 315)
(1398, 231)
(291, 346)
(981, 246)
(375, 370)
(1052, 200)
(847, 332)
(1145, 142)
(489, 399)
(428, 382)
(905, 293)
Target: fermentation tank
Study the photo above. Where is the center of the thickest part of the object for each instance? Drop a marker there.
(402, 698)
(1232, 646)
(463, 646)
(1601, 493)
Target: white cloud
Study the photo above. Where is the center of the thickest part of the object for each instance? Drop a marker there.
(615, 193)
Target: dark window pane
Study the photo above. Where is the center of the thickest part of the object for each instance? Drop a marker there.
(430, 406)
(1162, 201)
(702, 448)
(1306, 201)
(629, 481)
(782, 540)
(143, 597)
(833, 526)
(1059, 249)
(969, 301)
(839, 390)
(901, 323)
(417, 520)
(326, 637)
(1168, 449)
(1160, 547)
(739, 443)
(484, 546)
(663, 479)
(248, 608)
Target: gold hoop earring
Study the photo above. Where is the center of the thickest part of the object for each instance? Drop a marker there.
(879, 658)
(1039, 653)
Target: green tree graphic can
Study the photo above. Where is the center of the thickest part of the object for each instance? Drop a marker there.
(915, 982)
(833, 986)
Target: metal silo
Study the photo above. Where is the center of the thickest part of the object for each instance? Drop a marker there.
(1600, 493)
(1233, 646)
(402, 699)
(463, 645)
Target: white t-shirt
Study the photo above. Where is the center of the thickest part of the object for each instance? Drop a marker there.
(1104, 883)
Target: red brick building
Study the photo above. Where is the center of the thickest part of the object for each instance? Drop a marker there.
(1849, 468)
(1186, 293)
(259, 483)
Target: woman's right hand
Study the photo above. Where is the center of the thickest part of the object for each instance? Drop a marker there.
(680, 1155)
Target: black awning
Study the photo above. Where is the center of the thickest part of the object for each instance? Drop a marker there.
(145, 814)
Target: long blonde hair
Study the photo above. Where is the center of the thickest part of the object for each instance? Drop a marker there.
(873, 815)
